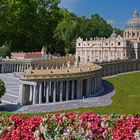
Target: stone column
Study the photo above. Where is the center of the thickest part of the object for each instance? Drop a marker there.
(72, 90)
(31, 93)
(61, 91)
(40, 93)
(136, 53)
(100, 82)
(95, 85)
(87, 87)
(54, 92)
(21, 93)
(17, 67)
(79, 88)
(5, 68)
(21, 67)
(48, 91)
(92, 86)
(35, 95)
(11, 68)
(67, 90)
(2, 68)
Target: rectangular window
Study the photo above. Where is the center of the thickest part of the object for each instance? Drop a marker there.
(119, 43)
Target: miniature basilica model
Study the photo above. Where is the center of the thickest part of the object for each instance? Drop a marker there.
(112, 48)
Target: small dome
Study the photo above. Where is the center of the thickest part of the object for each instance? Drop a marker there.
(113, 35)
(134, 22)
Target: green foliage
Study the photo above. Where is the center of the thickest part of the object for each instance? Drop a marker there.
(29, 24)
(95, 26)
(5, 51)
(66, 30)
(118, 31)
(2, 88)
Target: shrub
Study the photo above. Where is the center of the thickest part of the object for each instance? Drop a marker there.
(5, 51)
(2, 88)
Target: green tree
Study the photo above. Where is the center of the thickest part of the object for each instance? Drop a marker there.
(66, 30)
(5, 51)
(29, 23)
(118, 31)
(95, 26)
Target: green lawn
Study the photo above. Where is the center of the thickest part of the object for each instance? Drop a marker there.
(126, 99)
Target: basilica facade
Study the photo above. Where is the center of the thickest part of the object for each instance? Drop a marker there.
(113, 48)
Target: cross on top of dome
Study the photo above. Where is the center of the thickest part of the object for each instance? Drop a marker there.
(136, 14)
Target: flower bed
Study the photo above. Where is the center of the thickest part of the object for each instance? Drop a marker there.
(70, 126)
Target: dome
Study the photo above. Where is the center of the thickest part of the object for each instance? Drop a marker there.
(113, 35)
(134, 22)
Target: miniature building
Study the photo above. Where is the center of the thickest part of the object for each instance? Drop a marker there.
(31, 55)
(112, 48)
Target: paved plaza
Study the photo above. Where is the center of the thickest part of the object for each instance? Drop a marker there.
(12, 88)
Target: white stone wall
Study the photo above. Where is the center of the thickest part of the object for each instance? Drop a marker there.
(102, 49)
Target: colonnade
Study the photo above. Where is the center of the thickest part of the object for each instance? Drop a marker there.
(17, 65)
(52, 91)
(14, 67)
(112, 68)
(51, 66)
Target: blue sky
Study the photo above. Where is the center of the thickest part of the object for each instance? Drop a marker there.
(116, 12)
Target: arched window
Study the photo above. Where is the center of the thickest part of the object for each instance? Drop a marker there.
(119, 43)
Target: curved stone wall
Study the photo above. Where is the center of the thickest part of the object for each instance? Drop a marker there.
(56, 85)
(116, 67)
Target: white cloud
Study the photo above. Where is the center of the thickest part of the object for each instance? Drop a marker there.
(110, 21)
